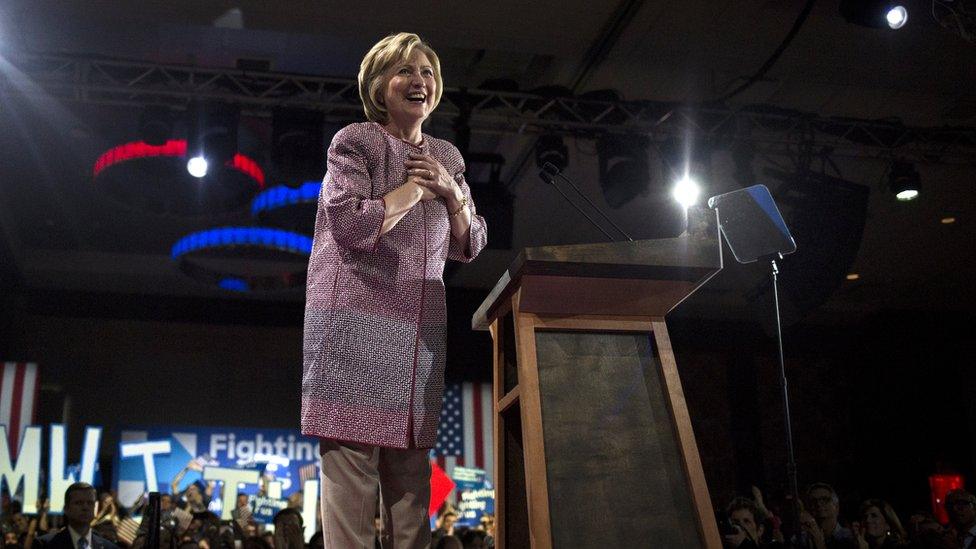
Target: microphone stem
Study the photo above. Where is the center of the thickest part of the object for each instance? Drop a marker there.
(580, 210)
(592, 205)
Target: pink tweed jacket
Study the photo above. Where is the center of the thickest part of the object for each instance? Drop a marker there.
(375, 317)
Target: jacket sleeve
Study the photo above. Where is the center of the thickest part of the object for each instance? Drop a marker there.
(478, 235)
(352, 215)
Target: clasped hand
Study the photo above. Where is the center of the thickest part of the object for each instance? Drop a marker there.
(425, 171)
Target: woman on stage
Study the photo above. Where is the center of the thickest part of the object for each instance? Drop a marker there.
(394, 207)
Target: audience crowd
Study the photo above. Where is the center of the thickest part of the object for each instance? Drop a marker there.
(745, 523)
(99, 521)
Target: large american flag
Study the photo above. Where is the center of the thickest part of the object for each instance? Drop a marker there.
(464, 437)
(18, 400)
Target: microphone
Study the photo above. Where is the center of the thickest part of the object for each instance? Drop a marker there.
(550, 172)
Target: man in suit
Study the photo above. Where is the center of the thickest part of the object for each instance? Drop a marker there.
(79, 511)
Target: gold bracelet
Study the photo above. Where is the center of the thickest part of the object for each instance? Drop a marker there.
(464, 203)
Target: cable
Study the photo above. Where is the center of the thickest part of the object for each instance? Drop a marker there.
(800, 20)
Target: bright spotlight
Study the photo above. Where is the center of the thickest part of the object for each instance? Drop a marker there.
(897, 17)
(197, 166)
(906, 195)
(876, 14)
(904, 180)
(686, 192)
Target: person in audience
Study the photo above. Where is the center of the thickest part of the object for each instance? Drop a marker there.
(474, 539)
(879, 526)
(79, 511)
(819, 525)
(254, 543)
(747, 524)
(242, 501)
(38, 525)
(961, 507)
(296, 499)
(927, 533)
(444, 525)
(487, 523)
(108, 518)
(317, 541)
(448, 542)
(289, 529)
(194, 499)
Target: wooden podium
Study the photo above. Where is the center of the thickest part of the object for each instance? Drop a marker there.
(593, 442)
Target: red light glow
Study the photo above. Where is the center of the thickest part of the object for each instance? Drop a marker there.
(939, 486)
(172, 148)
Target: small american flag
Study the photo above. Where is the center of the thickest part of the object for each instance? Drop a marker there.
(242, 515)
(183, 519)
(308, 472)
(128, 529)
(18, 397)
(464, 437)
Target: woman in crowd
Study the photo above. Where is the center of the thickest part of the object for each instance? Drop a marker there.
(879, 526)
(394, 207)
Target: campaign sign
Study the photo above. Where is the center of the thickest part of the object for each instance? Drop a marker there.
(150, 458)
(265, 509)
(475, 495)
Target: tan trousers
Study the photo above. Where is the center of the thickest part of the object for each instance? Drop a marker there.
(353, 475)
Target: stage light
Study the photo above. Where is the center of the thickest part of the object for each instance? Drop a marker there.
(552, 149)
(897, 17)
(624, 168)
(686, 191)
(874, 13)
(297, 144)
(197, 166)
(156, 125)
(904, 181)
(948, 220)
(853, 276)
(212, 130)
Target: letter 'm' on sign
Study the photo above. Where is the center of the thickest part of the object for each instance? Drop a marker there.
(59, 451)
(28, 466)
(231, 478)
(147, 450)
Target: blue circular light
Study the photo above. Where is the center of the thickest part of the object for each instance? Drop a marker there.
(234, 284)
(224, 237)
(281, 196)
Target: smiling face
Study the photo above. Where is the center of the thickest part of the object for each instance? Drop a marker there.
(875, 523)
(410, 89)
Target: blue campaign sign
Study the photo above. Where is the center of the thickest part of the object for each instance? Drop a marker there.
(281, 454)
(475, 495)
(265, 509)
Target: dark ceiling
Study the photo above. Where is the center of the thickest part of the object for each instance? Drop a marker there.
(62, 232)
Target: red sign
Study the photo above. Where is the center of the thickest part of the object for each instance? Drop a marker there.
(939, 486)
(440, 487)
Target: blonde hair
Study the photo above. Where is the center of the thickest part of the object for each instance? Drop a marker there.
(389, 51)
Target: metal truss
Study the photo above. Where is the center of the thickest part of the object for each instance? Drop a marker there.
(768, 129)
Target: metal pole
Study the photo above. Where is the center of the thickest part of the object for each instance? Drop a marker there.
(791, 458)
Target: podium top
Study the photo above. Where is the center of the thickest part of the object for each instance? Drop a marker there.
(691, 258)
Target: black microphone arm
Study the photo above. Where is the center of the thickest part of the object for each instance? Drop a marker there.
(548, 179)
(549, 171)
